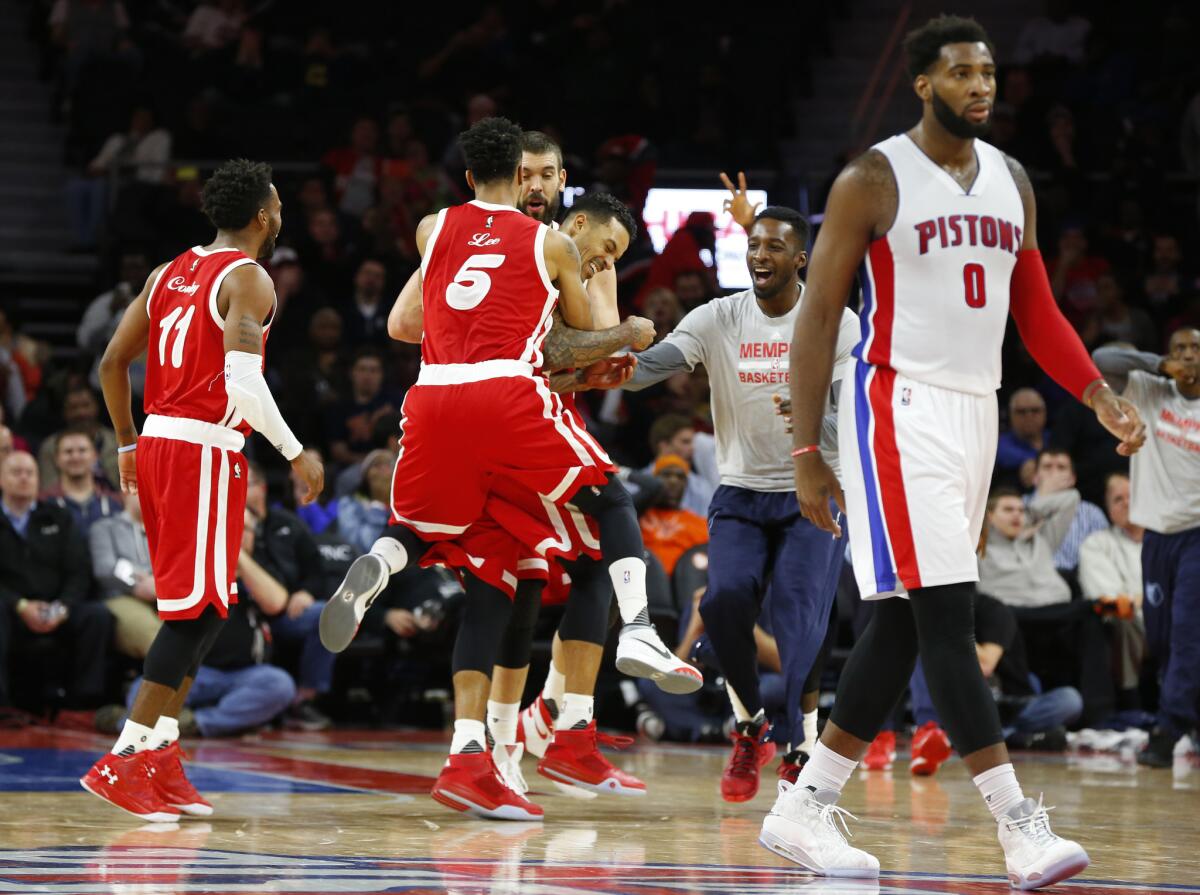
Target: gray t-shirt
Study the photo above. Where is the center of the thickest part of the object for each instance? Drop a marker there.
(1165, 473)
(746, 353)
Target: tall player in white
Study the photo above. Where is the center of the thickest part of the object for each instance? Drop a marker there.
(943, 228)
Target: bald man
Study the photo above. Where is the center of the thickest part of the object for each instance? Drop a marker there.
(45, 579)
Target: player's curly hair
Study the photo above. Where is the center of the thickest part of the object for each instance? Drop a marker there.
(794, 219)
(604, 207)
(235, 193)
(923, 45)
(492, 149)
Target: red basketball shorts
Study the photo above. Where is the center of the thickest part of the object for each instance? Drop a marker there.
(487, 463)
(192, 486)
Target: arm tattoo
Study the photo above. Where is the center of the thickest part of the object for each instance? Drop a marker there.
(249, 335)
(566, 347)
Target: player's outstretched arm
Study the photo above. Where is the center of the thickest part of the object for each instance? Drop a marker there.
(1053, 342)
(406, 320)
(566, 348)
(562, 264)
(251, 297)
(852, 215)
(127, 343)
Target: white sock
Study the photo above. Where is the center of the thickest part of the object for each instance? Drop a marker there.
(134, 738)
(1000, 789)
(556, 685)
(469, 737)
(810, 732)
(826, 769)
(629, 581)
(576, 712)
(167, 731)
(740, 712)
(392, 552)
(502, 721)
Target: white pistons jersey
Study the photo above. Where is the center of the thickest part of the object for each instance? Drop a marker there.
(917, 420)
(935, 286)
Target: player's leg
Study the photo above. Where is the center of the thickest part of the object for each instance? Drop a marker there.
(508, 684)
(1171, 568)
(738, 554)
(640, 651)
(573, 757)
(803, 588)
(469, 780)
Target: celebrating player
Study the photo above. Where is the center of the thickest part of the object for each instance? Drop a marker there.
(943, 227)
(755, 528)
(210, 310)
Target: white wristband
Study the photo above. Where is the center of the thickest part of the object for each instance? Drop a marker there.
(251, 398)
(126, 448)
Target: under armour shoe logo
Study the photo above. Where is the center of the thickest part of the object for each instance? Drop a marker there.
(108, 775)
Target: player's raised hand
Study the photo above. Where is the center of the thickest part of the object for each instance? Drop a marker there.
(737, 204)
(1121, 418)
(127, 466)
(783, 409)
(309, 470)
(641, 332)
(815, 485)
(609, 372)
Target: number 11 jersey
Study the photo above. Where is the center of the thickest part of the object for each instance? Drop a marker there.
(185, 357)
(935, 286)
(486, 292)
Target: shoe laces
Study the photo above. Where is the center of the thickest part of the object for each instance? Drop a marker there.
(616, 742)
(1035, 826)
(508, 766)
(744, 761)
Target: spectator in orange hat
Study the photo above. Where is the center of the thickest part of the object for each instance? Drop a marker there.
(668, 530)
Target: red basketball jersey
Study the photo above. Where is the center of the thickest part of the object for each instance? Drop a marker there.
(185, 360)
(486, 292)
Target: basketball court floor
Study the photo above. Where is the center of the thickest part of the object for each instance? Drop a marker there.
(349, 812)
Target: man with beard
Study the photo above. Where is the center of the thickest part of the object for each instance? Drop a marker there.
(202, 319)
(756, 532)
(941, 228)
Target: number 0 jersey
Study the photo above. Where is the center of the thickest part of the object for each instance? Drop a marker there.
(485, 288)
(185, 357)
(935, 286)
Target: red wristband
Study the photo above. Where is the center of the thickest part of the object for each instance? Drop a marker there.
(807, 449)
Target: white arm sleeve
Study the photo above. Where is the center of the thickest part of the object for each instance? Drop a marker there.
(251, 398)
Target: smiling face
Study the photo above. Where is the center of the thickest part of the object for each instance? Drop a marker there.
(75, 455)
(600, 243)
(961, 88)
(774, 257)
(542, 182)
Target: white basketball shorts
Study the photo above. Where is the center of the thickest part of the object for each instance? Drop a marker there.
(916, 467)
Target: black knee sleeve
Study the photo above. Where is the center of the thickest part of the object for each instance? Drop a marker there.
(486, 611)
(517, 641)
(612, 508)
(585, 616)
(179, 647)
(877, 672)
(945, 623)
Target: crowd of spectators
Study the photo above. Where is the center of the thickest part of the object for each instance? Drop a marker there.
(360, 116)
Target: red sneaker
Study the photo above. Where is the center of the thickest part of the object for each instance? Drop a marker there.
(930, 747)
(739, 780)
(792, 764)
(573, 757)
(882, 752)
(472, 784)
(128, 783)
(173, 785)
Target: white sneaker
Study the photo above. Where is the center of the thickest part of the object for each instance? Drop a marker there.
(641, 653)
(1033, 855)
(343, 613)
(535, 727)
(809, 829)
(508, 763)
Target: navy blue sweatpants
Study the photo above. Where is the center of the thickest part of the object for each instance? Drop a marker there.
(1171, 606)
(753, 536)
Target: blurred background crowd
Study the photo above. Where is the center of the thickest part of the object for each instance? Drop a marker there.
(129, 104)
